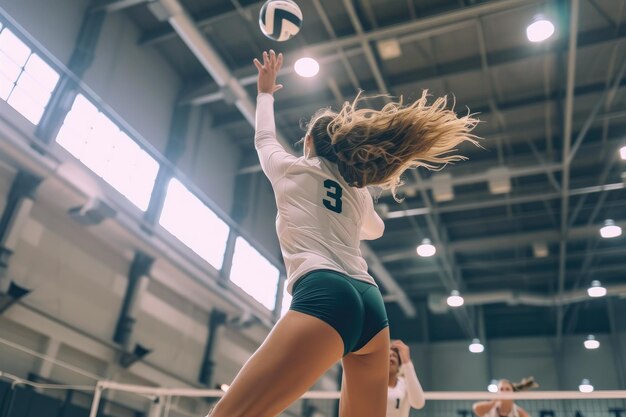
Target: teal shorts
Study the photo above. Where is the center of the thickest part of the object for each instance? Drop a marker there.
(354, 308)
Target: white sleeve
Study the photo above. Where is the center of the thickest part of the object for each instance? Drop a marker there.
(413, 387)
(372, 226)
(273, 157)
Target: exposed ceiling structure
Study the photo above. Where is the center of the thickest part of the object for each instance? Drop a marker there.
(523, 214)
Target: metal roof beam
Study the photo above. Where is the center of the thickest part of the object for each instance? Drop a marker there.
(424, 76)
(503, 241)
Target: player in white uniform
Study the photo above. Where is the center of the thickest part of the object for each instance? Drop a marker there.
(324, 210)
(504, 408)
(404, 391)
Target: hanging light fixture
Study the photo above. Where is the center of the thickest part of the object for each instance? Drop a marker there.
(585, 386)
(610, 229)
(596, 289)
(591, 342)
(539, 29)
(476, 346)
(426, 249)
(455, 299)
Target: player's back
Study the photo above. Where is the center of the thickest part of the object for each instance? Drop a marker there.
(319, 220)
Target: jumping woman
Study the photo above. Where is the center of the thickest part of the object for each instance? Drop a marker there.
(324, 211)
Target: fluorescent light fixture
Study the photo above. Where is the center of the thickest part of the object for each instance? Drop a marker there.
(476, 346)
(442, 188)
(455, 299)
(596, 289)
(389, 49)
(540, 250)
(540, 29)
(591, 342)
(610, 229)
(585, 386)
(499, 180)
(306, 67)
(426, 249)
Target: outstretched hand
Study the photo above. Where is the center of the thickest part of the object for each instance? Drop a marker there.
(266, 82)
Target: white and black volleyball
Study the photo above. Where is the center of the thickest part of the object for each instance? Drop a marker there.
(280, 20)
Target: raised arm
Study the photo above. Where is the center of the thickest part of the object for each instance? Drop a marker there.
(414, 389)
(483, 407)
(273, 157)
(522, 412)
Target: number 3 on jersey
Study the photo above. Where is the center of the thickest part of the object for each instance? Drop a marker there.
(334, 192)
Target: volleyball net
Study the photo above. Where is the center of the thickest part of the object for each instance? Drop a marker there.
(114, 399)
(167, 402)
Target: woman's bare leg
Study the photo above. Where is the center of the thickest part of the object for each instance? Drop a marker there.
(365, 379)
(295, 354)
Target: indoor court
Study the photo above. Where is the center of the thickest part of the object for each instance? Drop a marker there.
(140, 262)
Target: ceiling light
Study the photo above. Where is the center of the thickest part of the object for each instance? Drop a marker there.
(591, 342)
(596, 289)
(455, 299)
(499, 180)
(442, 187)
(610, 229)
(540, 29)
(585, 386)
(426, 249)
(622, 152)
(493, 386)
(540, 250)
(389, 49)
(476, 346)
(306, 67)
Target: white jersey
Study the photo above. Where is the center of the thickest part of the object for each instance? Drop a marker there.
(495, 412)
(321, 219)
(406, 394)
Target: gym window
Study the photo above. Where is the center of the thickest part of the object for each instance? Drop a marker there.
(194, 224)
(98, 143)
(254, 274)
(26, 81)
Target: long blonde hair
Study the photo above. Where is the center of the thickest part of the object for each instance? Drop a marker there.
(375, 147)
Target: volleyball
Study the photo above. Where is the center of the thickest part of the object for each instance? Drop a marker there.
(280, 20)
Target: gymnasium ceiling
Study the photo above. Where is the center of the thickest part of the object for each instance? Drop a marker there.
(478, 51)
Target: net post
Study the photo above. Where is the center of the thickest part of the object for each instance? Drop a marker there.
(96, 399)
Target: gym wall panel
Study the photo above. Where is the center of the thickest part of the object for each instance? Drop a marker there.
(515, 359)
(81, 360)
(62, 22)
(450, 366)
(15, 361)
(599, 366)
(456, 369)
(6, 179)
(261, 220)
(72, 275)
(134, 80)
(211, 160)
